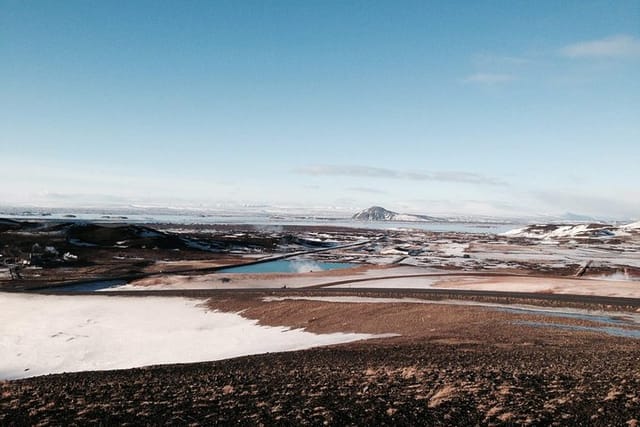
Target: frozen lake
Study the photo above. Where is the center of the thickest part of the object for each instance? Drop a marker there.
(259, 219)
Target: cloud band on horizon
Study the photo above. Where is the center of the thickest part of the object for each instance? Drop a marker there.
(385, 173)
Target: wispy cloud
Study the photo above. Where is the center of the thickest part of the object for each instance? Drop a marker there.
(620, 46)
(374, 172)
(367, 190)
(489, 78)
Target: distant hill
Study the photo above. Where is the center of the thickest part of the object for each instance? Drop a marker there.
(378, 213)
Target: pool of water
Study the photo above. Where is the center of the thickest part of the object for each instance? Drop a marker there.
(287, 266)
(96, 285)
(615, 320)
(616, 332)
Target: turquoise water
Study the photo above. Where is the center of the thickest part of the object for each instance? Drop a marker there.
(287, 266)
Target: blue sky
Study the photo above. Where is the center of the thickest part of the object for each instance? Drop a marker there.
(496, 107)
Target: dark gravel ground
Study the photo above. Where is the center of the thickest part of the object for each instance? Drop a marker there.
(372, 383)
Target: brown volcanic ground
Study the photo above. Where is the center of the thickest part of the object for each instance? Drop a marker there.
(452, 366)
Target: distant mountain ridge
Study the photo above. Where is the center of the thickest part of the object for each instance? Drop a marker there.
(378, 213)
(575, 231)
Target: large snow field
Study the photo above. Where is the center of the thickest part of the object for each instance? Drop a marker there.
(550, 285)
(41, 334)
(262, 281)
(616, 286)
(398, 283)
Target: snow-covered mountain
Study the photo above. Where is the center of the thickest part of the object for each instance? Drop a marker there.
(575, 231)
(632, 226)
(378, 213)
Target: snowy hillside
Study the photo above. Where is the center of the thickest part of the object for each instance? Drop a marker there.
(634, 226)
(574, 231)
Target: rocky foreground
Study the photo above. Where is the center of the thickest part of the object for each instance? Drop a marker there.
(593, 381)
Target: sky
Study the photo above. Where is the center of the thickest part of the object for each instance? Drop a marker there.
(452, 107)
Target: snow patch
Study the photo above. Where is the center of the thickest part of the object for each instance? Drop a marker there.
(42, 334)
